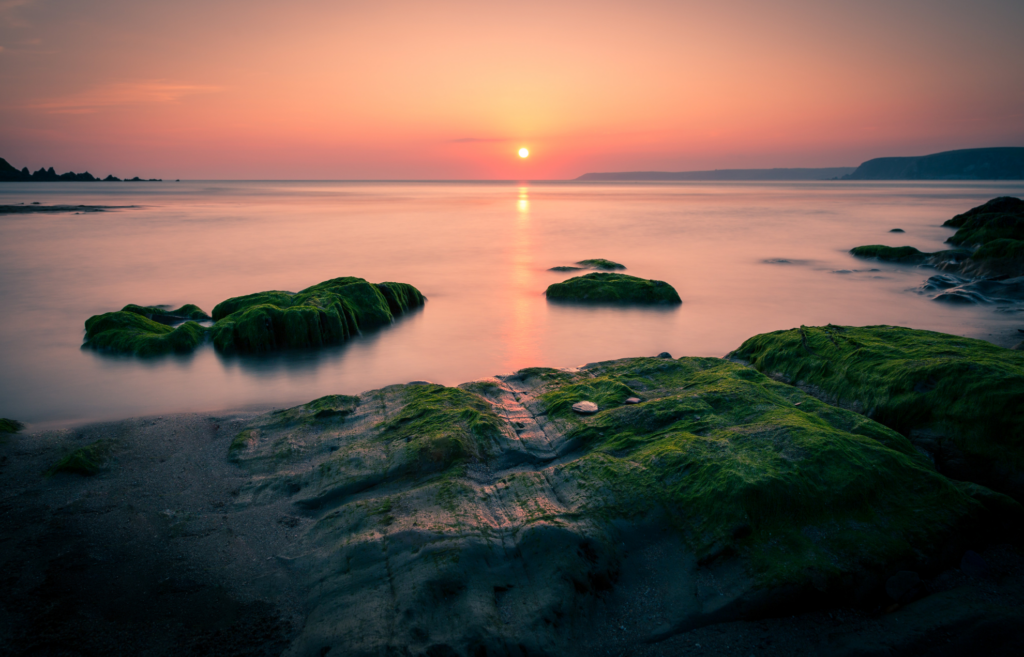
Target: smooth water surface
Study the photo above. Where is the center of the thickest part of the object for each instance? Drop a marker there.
(479, 251)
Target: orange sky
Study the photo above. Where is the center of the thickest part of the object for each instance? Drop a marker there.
(316, 89)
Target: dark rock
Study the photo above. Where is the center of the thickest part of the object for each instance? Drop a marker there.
(901, 584)
(973, 565)
(664, 354)
(897, 230)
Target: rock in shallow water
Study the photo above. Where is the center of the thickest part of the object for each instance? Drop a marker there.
(613, 289)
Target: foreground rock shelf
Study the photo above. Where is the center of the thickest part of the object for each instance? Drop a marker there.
(493, 519)
(957, 399)
(434, 512)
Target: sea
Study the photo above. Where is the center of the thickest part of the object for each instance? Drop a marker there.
(745, 257)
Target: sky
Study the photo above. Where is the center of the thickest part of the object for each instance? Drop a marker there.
(392, 89)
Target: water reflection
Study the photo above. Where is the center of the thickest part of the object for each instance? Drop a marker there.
(521, 334)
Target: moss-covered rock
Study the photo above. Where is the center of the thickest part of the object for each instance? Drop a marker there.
(87, 460)
(901, 254)
(324, 314)
(1000, 218)
(495, 500)
(10, 426)
(957, 398)
(600, 263)
(166, 315)
(613, 288)
(132, 333)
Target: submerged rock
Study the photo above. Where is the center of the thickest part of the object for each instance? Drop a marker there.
(613, 288)
(492, 515)
(957, 398)
(600, 263)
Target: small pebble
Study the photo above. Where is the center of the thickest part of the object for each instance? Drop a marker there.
(633, 400)
(585, 407)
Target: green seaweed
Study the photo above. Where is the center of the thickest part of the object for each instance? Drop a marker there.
(729, 455)
(86, 461)
(601, 263)
(131, 333)
(997, 219)
(900, 254)
(445, 426)
(167, 316)
(10, 426)
(613, 288)
(323, 314)
(910, 380)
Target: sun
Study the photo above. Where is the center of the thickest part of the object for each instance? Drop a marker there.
(523, 152)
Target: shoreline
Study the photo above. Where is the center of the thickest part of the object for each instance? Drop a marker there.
(157, 553)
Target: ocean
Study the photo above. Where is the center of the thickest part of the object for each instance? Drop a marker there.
(746, 258)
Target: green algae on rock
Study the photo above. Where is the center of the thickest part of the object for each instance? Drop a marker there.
(323, 314)
(86, 461)
(10, 426)
(166, 316)
(132, 333)
(902, 254)
(957, 398)
(493, 500)
(613, 288)
(593, 263)
(600, 263)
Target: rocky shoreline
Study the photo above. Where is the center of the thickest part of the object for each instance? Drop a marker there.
(493, 519)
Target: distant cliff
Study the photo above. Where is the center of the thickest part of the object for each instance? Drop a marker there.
(9, 173)
(968, 164)
(720, 174)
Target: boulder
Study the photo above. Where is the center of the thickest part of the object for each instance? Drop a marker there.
(324, 314)
(613, 288)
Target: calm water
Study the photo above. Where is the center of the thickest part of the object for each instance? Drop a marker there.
(479, 251)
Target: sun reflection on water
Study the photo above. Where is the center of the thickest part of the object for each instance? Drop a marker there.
(520, 338)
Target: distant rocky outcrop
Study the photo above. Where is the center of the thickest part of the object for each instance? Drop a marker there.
(967, 164)
(9, 173)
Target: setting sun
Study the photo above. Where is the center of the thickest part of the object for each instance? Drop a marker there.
(523, 152)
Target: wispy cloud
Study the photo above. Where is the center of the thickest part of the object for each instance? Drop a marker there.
(121, 94)
(9, 12)
(472, 140)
